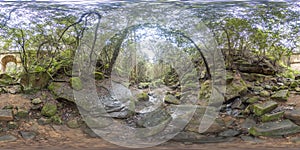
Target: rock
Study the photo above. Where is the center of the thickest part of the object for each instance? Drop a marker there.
(295, 140)
(90, 132)
(193, 125)
(98, 122)
(229, 133)
(293, 115)
(294, 84)
(22, 113)
(264, 93)
(282, 128)
(236, 88)
(36, 101)
(281, 95)
(171, 99)
(44, 121)
(252, 100)
(12, 125)
(76, 83)
(153, 118)
(251, 139)
(34, 80)
(62, 90)
(297, 89)
(49, 110)
(260, 109)
(12, 89)
(6, 80)
(73, 124)
(268, 87)
(6, 115)
(142, 96)
(28, 135)
(262, 67)
(257, 89)
(7, 138)
(248, 123)
(272, 117)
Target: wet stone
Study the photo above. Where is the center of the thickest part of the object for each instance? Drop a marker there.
(6, 115)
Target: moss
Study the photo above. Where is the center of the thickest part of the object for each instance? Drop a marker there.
(271, 117)
(49, 110)
(56, 119)
(76, 83)
(142, 96)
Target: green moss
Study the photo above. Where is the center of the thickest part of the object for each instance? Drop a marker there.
(56, 119)
(142, 96)
(260, 109)
(76, 83)
(271, 117)
(49, 110)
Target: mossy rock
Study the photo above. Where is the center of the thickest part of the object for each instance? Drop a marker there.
(62, 90)
(142, 96)
(171, 99)
(264, 93)
(252, 100)
(263, 108)
(22, 113)
(294, 84)
(143, 85)
(76, 83)
(281, 95)
(49, 110)
(56, 119)
(6, 80)
(34, 81)
(272, 117)
(73, 124)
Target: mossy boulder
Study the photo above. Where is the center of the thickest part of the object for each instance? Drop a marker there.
(49, 110)
(56, 119)
(62, 90)
(76, 83)
(142, 96)
(6, 80)
(252, 100)
(73, 124)
(22, 113)
(34, 81)
(281, 95)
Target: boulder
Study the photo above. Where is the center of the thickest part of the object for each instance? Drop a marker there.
(281, 95)
(142, 96)
(153, 118)
(264, 93)
(34, 80)
(62, 90)
(282, 128)
(6, 80)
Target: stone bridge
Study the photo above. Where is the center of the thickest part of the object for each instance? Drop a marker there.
(6, 57)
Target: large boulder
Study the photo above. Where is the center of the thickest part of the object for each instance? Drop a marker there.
(236, 88)
(62, 90)
(34, 80)
(281, 95)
